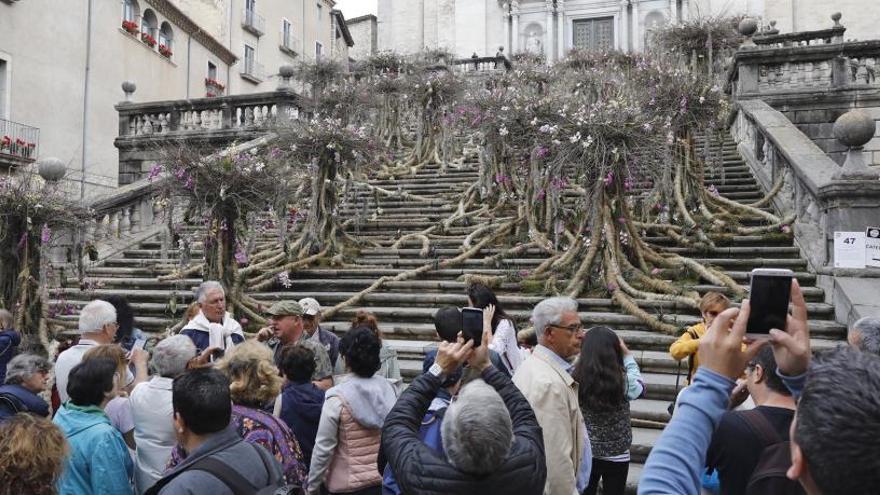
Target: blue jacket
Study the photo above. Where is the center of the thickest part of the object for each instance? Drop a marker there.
(9, 340)
(27, 400)
(676, 462)
(301, 405)
(99, 462)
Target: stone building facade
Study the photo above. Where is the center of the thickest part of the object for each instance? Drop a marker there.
(61, 69)
(365, 32)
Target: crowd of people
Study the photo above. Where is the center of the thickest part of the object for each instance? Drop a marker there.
(298, 410)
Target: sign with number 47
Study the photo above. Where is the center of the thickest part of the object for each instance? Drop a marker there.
(849, 250)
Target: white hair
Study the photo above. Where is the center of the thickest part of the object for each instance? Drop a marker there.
(868, 329)
(208, 286)
(549, 312)
(477, 431)
(171, 355)
(23, 366)
(95, 315)
(6, 320)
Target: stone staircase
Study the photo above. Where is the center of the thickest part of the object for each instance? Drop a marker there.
(404, 309)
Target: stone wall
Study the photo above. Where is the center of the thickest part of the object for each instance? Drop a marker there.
(364, 31)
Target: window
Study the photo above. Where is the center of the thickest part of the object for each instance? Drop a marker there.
(250, 5)
(594, 34)
(250, 59)
(130, 10)
(166, 35)
(212, 71)
(3, 91)
(320, 11)
(286, 34)
(319, 50)
(149, 23)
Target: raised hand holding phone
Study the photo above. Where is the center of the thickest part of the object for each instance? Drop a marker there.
(791, 345)
(479, 359)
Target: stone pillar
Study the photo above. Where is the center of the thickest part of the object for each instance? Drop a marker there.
(507, 43)
(685, 10)
(636, 33)
(548, 32)
(515, 15)
(560, 28)
(624, 27)
(673, 11)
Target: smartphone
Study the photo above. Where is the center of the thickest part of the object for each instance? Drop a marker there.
(472, 325)
(139, 344)
(769, 294)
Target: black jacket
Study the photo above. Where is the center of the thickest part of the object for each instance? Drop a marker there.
(421, 471)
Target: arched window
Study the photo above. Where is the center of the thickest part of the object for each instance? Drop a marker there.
(166, 35)
(149, 23)
(130, 10)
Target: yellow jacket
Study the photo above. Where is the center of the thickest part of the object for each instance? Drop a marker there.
(686, 346)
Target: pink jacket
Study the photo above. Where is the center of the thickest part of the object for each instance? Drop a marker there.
(354, 463)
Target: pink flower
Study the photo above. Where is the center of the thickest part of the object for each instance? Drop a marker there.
(155, 170)
(785, 229)
(609, 179)
(45, 234)
(612, 287)
(524, 273)
(655, 271)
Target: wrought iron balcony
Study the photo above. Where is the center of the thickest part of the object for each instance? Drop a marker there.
(19, 143)
(253, 22)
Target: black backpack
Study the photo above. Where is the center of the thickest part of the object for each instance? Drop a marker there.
(234, 481)
(769, 477)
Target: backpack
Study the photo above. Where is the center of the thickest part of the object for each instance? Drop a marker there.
(234, 481)
(10, 405)
(769, 477)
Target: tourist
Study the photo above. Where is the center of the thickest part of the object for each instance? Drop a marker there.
(127, 333)
(26, 377)
(118, 409)
(608, 379)
(312, 326)
(831, 448)
(97, 326)
(546, 382)
(389, 365)
(300, 402)
(9, 341)
(344, 457)
(711, 305)
(213, 326)
(504, 340)
(99, 461)
(253, 383)
(32, 453)
(286, 327)
(490, 438)
(447, 324)
(202, 414)
(864, 335)
(153, 412)
(742, 436)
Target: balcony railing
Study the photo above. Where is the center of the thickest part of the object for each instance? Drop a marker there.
(18, 142)
(253, 22)
(289, 44)
(253, 71)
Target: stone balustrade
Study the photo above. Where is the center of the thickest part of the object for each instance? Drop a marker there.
(481, 64)
(775, 148)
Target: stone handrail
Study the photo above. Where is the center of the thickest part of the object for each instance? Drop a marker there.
(481, 64)
(802, 38)
(179, 118)
(772, 70)
(774, 148)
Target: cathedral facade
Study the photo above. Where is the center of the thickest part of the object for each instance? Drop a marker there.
(548, 27)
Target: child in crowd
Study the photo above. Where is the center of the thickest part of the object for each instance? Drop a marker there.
(711, 305)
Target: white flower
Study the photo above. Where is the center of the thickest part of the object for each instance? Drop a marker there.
(702, 99)
(587, 142)
(575, 138)
(534, 121)
(545, 128)
(503, 131)
(504, 109)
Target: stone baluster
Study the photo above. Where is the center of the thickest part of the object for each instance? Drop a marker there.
(124, 216)
(113, 225)
(163, 124)
(135, 216)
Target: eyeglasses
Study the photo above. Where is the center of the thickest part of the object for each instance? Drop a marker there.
(574, 328)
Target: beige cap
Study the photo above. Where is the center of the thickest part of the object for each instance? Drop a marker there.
(310, 306)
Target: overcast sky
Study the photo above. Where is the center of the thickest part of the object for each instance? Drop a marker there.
(355, 8)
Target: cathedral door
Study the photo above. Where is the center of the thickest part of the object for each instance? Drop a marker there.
(594, 34)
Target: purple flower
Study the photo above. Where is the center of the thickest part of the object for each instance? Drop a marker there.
(543, 151)
(785, 229)
(45, 234)
(609, 179)
(189, 183)
(155, 170)
(612, 287)
(275, 152)
(22, 241)
(713, 190)
(524, 273)
(240, 256)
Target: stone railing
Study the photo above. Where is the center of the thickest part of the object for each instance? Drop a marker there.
(824, 200)
(481, 64)
(178, 118)
(796, 63)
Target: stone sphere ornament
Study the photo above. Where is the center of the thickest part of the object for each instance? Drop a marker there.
(748, 27)
(854, 128)
(128, 88)
(51, 169)
(286, 71)
(836, 18)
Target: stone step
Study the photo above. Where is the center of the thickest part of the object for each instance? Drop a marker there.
(528, 263)
(732, 251)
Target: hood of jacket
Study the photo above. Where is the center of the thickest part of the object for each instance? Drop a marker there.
(74, 419)
(369, 399)
(308, 398)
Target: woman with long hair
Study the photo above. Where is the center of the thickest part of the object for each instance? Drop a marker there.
(608, 379)
(504, 340)
(389, 365)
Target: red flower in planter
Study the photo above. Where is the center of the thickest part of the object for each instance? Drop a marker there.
(146, 38)
(130, 26)
(214, 83)
(165, 51)
(5, 142)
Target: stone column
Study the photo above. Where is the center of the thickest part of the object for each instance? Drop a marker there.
(515, 14)
(548, 32)
(507, 43)
(685, 10)
(673, 11)
(560, 29)
(623, 24)
(636, 32)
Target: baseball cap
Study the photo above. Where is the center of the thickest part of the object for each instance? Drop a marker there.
(285, 308)
(310, 306)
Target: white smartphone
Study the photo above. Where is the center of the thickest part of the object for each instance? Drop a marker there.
(769, 295)
(139, 344)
